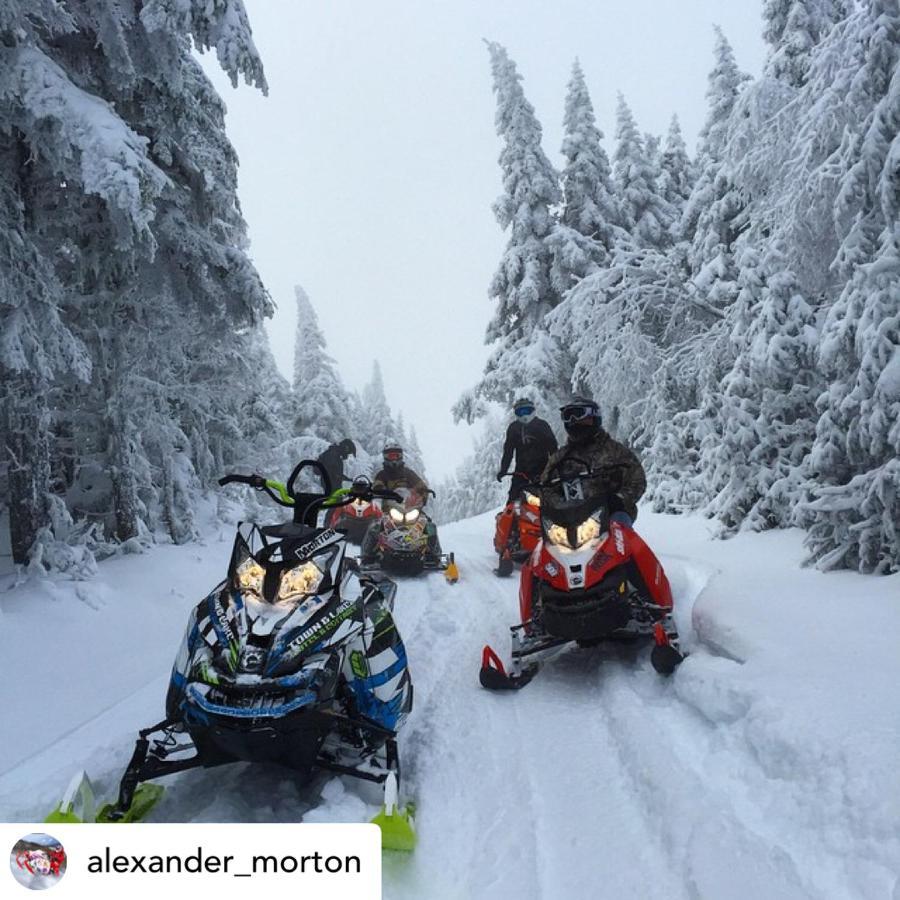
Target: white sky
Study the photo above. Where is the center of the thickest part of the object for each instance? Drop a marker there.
(368, 173)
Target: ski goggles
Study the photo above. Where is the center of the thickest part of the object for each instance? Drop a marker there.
(524, 410)
(577, 412)
(393, 455)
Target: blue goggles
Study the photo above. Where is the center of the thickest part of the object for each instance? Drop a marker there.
(524, 410)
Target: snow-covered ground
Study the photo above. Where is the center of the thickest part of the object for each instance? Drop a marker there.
(766, 767)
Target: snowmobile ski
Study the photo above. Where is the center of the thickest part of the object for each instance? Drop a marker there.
(397, 825)
(494, 677)
(79, 804)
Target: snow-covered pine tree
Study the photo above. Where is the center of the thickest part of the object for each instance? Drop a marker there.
(129, 194)
(319, 394)
(678, 177)
(588, 220)
(524, 359)
(377, 426)
(414, 452)
(57, 142)
(645, 215)
(854, 517)
(768, 396)
(696, 325)
(792, 29)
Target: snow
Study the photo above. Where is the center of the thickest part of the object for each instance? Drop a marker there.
(766, 767)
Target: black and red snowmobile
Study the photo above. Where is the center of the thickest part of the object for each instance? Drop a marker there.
(590, 580)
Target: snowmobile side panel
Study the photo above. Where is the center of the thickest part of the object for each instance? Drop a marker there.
(526, 591)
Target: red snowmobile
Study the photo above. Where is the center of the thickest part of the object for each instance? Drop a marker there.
(589, 580)
(354, 518)
(517, 531)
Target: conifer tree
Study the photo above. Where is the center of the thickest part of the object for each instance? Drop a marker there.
(855, 475)
(677, 178)
(522, 284)
(645, 215)
(319, 395)
(588, 225)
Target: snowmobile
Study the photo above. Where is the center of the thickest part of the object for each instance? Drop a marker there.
(402, 546)
(589, 580)
(354, 517)
(293, 659)
(42, 862)
(517, 531)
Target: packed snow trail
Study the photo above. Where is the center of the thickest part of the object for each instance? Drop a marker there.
(598, 779)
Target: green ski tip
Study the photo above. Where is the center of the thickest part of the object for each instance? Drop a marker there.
(397, 832)
(145, 798)
(63, 816)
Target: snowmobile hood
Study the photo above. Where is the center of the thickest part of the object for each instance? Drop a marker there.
(281, 601)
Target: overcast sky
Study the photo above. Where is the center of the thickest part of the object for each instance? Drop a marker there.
(367, 174)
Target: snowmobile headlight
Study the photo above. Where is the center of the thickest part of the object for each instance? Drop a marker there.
(412, 516)
(299, 581)
(250, 576)
(558, 535)
(532, 499)
(396, 515)
(587, 531)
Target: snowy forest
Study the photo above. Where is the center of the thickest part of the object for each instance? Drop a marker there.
(736, 313)
(134, 368)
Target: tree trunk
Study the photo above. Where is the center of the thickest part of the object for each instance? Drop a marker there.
(26, 447)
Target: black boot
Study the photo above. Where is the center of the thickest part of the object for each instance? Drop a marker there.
(505, 566)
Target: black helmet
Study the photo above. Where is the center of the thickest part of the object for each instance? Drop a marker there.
(392, 456)
(347, 448)
(581, 418)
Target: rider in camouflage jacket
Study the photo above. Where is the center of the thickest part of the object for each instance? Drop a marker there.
(589, 443)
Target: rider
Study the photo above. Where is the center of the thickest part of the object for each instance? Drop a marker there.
(589, 443)
(333, 461)
(532, 441)
(395, 474)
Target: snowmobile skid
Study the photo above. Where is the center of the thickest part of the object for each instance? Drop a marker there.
(413, 564)
(529, 651)
(294, 660)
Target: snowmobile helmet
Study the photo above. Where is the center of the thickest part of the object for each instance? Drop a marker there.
(392, 456)
(524, 409)
(581, 419)
(347, 448)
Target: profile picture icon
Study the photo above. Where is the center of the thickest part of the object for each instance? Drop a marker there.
(38, 861)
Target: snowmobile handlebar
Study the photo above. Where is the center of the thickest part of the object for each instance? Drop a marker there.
(588, 473)
(275, 489)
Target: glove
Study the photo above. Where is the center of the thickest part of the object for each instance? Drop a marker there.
(501, 476)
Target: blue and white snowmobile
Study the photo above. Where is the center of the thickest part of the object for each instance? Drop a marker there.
(293, 659)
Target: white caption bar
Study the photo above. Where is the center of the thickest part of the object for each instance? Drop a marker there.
(140, 861)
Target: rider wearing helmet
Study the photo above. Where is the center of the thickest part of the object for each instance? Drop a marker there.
(589, 443)
(395, 474)
(532, 441)
(333, 461)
